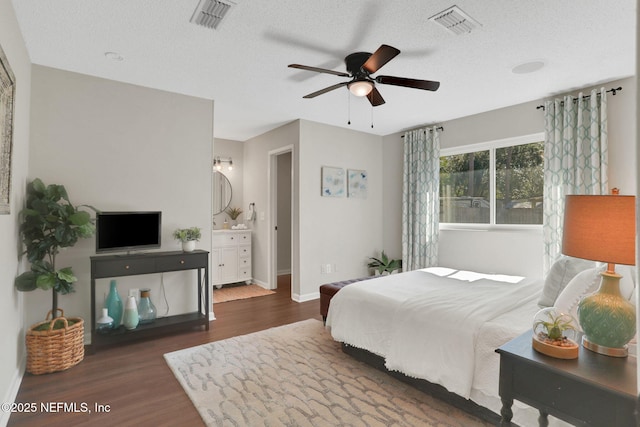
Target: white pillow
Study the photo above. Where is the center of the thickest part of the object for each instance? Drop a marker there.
(587, 282)
(560, 274)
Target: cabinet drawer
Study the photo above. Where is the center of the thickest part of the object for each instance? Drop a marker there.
(244, 273)
(244, 263)
(244, 251)
(124, 267)
(182, 262)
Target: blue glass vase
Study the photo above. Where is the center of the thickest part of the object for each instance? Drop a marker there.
(113, 304)
(146, 309)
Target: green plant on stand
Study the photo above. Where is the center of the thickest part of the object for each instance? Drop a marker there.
(50, 222)
(384, 265)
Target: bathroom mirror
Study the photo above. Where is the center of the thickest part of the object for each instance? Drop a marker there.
(221, 192)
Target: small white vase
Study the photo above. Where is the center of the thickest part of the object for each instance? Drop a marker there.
(131, 317)
(189, 245)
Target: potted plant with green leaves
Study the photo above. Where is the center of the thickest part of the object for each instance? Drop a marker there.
(384, 265)
(233, 213)
(188, 237)
(553, 332)
(50, 223)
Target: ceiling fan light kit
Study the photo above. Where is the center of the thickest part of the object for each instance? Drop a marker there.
(360, 67)
(360, 87)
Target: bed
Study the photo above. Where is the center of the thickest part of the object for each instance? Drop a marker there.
(442, 325)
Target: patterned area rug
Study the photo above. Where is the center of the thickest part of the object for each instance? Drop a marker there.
(239, 292)
(296, 375)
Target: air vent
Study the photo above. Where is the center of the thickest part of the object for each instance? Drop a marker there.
(455, 20)
(209, 13)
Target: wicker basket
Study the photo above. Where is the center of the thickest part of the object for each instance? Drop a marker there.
(55, 350)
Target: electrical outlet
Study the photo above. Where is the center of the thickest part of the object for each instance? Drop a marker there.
(323, 269)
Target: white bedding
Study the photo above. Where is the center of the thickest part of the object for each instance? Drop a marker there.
(439, 324)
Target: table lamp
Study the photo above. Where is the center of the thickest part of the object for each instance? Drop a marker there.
(603, 228)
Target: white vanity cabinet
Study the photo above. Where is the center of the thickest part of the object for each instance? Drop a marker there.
(230, 256)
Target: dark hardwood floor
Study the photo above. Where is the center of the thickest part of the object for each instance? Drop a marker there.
(134, 380)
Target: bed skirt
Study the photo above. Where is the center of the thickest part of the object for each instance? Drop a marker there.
(435, 390)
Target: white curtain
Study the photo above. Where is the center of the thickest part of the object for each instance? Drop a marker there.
(420, 199)
(575, 159)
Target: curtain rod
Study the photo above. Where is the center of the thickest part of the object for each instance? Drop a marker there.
(612, 90)
(440, 128)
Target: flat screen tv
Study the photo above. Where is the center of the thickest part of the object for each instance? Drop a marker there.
(128, 231)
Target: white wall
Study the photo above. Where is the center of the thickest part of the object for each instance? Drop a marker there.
(508, 251)
(11, 301)
(342, 231)
(122, 147)
(225, 149)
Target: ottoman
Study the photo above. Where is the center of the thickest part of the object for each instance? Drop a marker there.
(327, 291)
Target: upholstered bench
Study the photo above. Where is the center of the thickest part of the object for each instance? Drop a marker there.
(328, 290)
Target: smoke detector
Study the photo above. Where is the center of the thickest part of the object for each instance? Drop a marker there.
(455, 20)
(209, 13)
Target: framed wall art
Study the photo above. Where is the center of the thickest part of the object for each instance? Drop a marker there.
(7, 95)
(333, 182)
(357, 183)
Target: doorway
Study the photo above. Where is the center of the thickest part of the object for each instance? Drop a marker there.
(281, 218)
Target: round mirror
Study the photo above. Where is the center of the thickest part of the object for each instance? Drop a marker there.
(221, 192)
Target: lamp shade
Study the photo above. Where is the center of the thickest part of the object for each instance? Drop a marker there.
(600, 228)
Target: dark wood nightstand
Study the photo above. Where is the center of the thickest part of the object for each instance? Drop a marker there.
(592, 390)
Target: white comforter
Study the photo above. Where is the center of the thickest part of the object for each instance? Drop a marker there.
(426, 323)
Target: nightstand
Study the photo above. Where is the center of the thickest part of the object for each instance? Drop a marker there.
(592, 390)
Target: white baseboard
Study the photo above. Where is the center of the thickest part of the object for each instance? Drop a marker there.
(12, 392)
(281, 272)
(261, 283)
(305, 297)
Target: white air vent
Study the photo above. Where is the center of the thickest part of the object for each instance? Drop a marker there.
(209, 13)
(455, 20)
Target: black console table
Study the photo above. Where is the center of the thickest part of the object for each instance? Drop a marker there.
(592, 390)
(110, 266)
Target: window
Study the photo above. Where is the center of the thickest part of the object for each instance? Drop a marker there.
(500, 184)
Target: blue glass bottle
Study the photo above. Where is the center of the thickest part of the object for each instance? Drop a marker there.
(113, 304)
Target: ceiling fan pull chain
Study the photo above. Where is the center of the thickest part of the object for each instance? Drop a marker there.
(371, 116)
(349, 108)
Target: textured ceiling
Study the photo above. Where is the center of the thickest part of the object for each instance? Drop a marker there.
(243, 64)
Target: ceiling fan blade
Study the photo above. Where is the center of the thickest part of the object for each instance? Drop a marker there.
(325, 90)
(375, 98)
(319, 70)
(412, 83)
(384, 54)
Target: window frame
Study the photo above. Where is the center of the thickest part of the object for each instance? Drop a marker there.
(491, 146)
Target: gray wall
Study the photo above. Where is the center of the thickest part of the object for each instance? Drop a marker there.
(122, 147)
(11, 301)
(514, 252)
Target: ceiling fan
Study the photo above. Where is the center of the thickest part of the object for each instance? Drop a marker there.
(360, 66)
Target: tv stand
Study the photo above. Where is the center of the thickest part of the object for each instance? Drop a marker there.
(103, 267)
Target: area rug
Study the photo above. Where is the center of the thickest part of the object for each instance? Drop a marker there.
(239, 292)
(296, 375)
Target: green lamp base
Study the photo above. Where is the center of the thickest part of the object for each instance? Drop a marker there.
(607, 319)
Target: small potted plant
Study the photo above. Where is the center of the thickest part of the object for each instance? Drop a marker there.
(188, 237)
(384, 265)
(553, 332)
(233, 213)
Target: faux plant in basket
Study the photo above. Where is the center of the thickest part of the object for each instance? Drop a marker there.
(233, 213)
(50, 222)
(188, 237)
